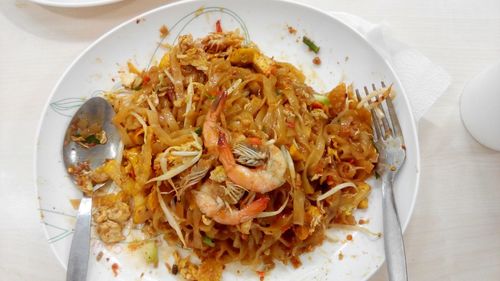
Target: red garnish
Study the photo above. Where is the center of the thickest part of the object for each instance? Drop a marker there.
(254, 141)
(261, 274)
(290, 124)
(145, 79)
(218, 26)
(296, 263)
(317, 61)
(317, 104)
(330, 181)
(115, 268)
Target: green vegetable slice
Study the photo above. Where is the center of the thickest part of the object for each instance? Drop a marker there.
(312, 46)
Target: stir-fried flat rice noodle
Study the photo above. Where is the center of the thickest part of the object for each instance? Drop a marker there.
(229, 153)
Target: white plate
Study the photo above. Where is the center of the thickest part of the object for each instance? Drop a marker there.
(74, 3)
(345, 55)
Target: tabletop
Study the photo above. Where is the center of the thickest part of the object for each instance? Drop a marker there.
(454, 232)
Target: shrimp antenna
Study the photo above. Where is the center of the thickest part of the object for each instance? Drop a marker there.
(219, 101)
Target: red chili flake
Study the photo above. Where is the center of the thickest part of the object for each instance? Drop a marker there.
(290, 124)
(330, 181)
(254, 141)
(115, 268)
(145, 79)
(316, 105)
(261, 274)
(317, 61)
(218, 26)
(296, 263)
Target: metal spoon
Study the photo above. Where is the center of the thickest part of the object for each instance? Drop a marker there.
(95, 111)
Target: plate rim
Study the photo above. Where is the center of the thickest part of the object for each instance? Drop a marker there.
(413, 125)
(94, 3)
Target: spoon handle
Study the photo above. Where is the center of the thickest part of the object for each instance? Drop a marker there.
(80, 245)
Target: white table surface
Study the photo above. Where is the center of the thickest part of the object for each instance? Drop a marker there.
(455, 231)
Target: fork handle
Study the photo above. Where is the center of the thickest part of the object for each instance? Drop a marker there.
(393, 236)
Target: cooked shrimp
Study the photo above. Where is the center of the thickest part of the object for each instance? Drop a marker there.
(262, 179)
(213, 206)
(210, 128)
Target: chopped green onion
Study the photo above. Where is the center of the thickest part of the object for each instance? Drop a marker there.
(92, 139)
(198, 131)
(208, 241)
(136, 85)
(377, 175)
(322, 99)
(312, 46)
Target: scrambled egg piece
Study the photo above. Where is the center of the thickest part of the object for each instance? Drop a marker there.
(318, 114)
(312, 219)
(110, 221)
(218, 174)
(127, 78)
(110, 232)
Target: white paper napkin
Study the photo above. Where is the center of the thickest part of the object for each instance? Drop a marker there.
(422, 80)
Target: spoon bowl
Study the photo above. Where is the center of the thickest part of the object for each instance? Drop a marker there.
(95, 112)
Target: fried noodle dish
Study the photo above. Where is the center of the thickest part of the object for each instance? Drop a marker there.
(228, 153)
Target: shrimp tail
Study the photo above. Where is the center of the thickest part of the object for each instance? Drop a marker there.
(251, 210)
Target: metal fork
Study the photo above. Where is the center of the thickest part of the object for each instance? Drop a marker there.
(391, 148)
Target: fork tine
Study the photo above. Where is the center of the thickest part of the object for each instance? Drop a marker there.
(385, 123)
(376, 124)
(376, 119)
(394, 118)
